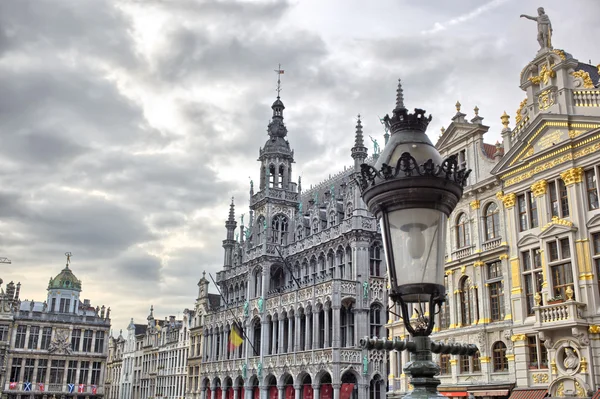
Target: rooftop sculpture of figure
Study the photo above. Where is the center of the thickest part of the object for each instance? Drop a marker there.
(544, 37)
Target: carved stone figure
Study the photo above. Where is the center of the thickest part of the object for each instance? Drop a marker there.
(365, 365)
(108, 313)
(245, 369)
(260, 304)
(31, 306)
(97, 310)
(544, 26)
(60, 343)
(366, 290)
(45, 306)
(376, 148)
(246, 308)
(571, 360)
(259, 370)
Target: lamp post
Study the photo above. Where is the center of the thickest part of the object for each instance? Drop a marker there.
(412, 191)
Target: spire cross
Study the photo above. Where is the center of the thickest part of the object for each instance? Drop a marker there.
(68, 255)
(279, 72)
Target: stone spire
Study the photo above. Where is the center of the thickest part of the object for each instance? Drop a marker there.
(506, 132)
(400, 95)
(359, 151)
(229, 242)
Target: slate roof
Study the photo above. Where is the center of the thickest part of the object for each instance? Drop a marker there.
(592, 70)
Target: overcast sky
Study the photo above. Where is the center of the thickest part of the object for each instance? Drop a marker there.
(128, 125)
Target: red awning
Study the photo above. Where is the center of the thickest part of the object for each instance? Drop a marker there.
(496, 392)
(529, 394)
(455, 394)
(596, 395)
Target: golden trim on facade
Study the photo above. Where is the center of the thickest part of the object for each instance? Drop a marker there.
(518, 116)
(587, 80)
(518, 337)
(557, 221)
(539, 188)
(572, 176)
(508, 200)
(474, 204)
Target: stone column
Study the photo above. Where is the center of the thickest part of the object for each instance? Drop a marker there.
(273, 341)
(514, 270)
(223, 393)
(236, 393)
(203, 393)
(327, 343)
(517, 361)
(335, 342)
(307, 333)
(297, 334)
(315, 325)
(297, 391)
(281, 325)
(336, 390)
(316, 390)
(281, 391)
(264, 392)
(290, 347)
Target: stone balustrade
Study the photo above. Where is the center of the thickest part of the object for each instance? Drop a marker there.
(559, 314)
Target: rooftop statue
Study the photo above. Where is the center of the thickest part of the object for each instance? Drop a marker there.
(544, 37)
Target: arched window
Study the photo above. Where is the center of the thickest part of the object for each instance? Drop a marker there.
(462, 231)
(321, 264)
(375, 387)
(331, 263)
(261, 226)
(299, 232)
(492, 221)
(315, 226)
(313, 268)
(331, 218)
(468, 312)
(499, 359)
(277, 278)
(321, 316)
(279, 230)
(305, 271)
(341, 263)
(375, 321)
(257, 333)
(350, 274)
(280, 177)
(375, 260)
(347, 324)
(271, 176)
(258, 283)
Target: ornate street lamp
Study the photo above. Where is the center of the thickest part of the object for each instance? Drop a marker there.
(412, 191)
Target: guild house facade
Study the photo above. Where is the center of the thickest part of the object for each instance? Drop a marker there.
(56, 348)
(523, 247)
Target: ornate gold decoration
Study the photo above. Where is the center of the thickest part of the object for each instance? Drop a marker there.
(560, 53)
(557, 221)
(458, 104)
(443, 129)
(505, 119)
(509, 316)
(587, 80)
(463, 269)
(537, 298)
(510, 357)
(476, 110)
(518, 337)
(474, 204)
(518, 116)
(453, 362)
(594, 329)
(539, 188)
(540, 378)
(515, 273)
(544, 76)
(478, 263)
(449, 272)
(560, 390)
(598, 66)
(484, 359)
(529, 152)
(569, 293)
(508, 200)
(579, 391)
(572, 176)
(553, 367)
(584, 365)
(575, 133)
(546, 99)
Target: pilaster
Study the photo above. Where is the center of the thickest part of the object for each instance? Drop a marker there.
(518, 359)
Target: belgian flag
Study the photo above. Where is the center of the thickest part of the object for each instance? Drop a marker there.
(235, 336)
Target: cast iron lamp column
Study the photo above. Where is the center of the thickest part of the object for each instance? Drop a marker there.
(412, 191)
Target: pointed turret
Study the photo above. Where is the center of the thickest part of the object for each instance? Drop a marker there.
(400, 96)
(229, 242)
(359, 151)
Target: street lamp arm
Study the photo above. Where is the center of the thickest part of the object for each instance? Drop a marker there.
(454, 349)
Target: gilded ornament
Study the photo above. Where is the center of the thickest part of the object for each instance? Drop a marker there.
(539, 188)
(508, 200)
(584, 365)
(518, 337)
(560, 53)
(553, 366)
(478, 263)
(503, 256)
(505, 119)
(557, 221)
(474, 204)
(594, 329)
(537, 299)
(453, 362)
(575, 133)
(529, 152)
(560, 390)
(540, 378)
(546, 99)
(484, 359)
(518, 116)
(457, 105)
(572, 176)
(569, 293)
(579, 391)
(544, 76)
(463, 269)
(449, 272)
(587, 80)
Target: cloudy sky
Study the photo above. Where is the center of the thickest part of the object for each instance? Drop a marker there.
(127, 125)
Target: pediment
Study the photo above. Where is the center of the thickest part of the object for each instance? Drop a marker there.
(593, 222)
(556, 227)
(453, 133)
(529, 239)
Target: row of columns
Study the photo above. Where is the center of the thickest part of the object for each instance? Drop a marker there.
(264, 392)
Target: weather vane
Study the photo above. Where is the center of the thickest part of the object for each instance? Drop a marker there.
(279, 72)
(68, 255)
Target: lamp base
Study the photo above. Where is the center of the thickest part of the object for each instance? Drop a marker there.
(423, 370)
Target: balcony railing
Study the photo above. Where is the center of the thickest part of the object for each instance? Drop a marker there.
(586, 98)
(463, 253)
(563, 313)
(495, 243)
(51, 388)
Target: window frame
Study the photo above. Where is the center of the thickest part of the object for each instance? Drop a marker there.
(535, 353)
(533, 276)
(495, 287)
(462, 231)
(499, 360)
(492, 218)
(561, 267)
(591, 189)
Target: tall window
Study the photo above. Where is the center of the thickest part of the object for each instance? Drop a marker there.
(350, 274)
(299, 232)
(495, 290)
(99, 344)
(46, 335)
(71, 372)
(341, 263)
(462, 231)
(261, 227)
(331, 218)
(522, 206)
(445, 364)
(596, 243)
(444, 322)
(281, 175)
(591, 187)
(375, 260)
(375, 321)
(28, 370)
(347, 325)
(499, 356)
(64, 305)
(96, 367)
(20, 337)
(537, 356)
(271, 176)
(279, 230)
(468, 302)
(559, 255)
(87, 341)
(533, 213)
(375, 387)
(559, 200)
(257, 334)
(34, 336)
(321, 328)
(470, 364)
(315, 226)
(528, 215)
(57, 371)
(15, 370)
(42, 368)
(75, 339)
(532, 276)
(331, 263)
(4, 333)
(492, 221)
(84, 370)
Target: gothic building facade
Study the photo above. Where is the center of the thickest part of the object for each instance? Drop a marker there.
(304, 283)
(57, 347)
(521, 270)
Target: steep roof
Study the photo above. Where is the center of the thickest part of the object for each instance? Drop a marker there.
(65, 280)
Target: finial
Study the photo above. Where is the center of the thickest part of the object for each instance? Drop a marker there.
(443, 129)
(399, 95)
(358, 142)
(151, 310)
(68, 255)
(458, 106)
(279, 72)
(476, 109)
(204, 274)
(504, 118)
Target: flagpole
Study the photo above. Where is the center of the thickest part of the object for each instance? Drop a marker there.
(287, 266)
(235, 319)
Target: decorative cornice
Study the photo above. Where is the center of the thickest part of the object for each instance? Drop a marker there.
(572, 176)
(518, 337)
(484, 359)
(539, 188)
(474, 204)
(503, 256)
(478, 263)
(594, 329)
(508, 200)
(557, 221)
